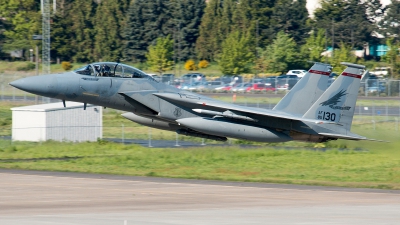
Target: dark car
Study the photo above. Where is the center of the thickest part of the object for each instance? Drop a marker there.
(230, 79)
(286, 82)
(270, 81)
(193, 77)
(167, 78)
(374, 84)
(332, 78)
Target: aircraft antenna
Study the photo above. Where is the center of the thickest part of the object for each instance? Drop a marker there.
(46, 36)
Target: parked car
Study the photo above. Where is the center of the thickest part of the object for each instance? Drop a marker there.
(380, 71)
(260, 87)
(377, 89)
(191, 86)
(226, 88)
(167, 78)
(332, 78)
(193, 77)
(257, 80)
(299, 73)
(270, 81)
(374, 84)
(155, 77)
(286, 82)
(214, 85)
(241, 87)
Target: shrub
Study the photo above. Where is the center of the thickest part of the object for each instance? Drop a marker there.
(66, 65)
(190, 65)
(26, 67)
(203, 64)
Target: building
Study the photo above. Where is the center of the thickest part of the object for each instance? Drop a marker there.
(54, 122)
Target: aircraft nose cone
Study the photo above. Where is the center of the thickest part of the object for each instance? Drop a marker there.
(40, 85)
(17, 83)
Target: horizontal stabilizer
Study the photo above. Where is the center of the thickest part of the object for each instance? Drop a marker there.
(349, 137)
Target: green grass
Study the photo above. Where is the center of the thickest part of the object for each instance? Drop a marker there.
(375, 168)
(345, 163)
(6, 117)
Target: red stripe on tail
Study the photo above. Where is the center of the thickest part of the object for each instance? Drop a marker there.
(319, 72)
(351, 75)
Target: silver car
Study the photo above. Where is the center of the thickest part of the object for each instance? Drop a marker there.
(241, 87)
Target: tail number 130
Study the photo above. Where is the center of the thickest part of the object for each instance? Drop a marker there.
(322, 115)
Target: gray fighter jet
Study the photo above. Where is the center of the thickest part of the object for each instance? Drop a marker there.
(309, 112)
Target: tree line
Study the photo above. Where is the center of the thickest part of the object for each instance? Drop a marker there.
(240, 35)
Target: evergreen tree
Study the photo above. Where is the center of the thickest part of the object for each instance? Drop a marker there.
(350, 22)
(61, 32)
(390, 24)
(2, 37)
(281, 55)
(253, 15)
(61, 38)
(135, 45)
(314, 46)
(208, 43)
(17, 19)
(228, 20)
(291, 17)
(81, 15)
(157, 16)
(160, 55)
(235, 57)
(223, 17)
(147, 20)
(108, 26)
(187, 14)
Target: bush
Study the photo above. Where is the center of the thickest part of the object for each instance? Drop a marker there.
(190, 65)
(26, 67)
(203, 64)
(66, 65)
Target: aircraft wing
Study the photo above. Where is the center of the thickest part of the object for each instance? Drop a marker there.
(196, 104)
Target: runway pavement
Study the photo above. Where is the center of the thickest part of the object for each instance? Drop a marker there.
(32, 197)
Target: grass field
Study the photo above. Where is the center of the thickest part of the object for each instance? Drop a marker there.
(377, 166)
(336, 163)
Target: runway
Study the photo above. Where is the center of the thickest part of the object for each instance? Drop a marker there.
(33, 197)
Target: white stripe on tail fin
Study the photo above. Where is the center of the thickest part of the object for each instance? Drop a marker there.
(338, 102)
(309, 88)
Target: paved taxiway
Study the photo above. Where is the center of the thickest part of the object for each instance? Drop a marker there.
(30, 197)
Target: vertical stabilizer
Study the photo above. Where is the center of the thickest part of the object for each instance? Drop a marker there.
(309, 88)
(337, 103)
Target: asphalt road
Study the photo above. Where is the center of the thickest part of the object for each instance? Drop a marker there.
(56, 198)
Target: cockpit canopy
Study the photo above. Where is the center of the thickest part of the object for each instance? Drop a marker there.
(111, 69)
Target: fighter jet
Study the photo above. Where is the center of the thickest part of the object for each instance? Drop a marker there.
(308, 112)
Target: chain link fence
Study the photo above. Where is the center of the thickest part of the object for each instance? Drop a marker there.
(9, 93)
(373, 112)
(131, 133)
